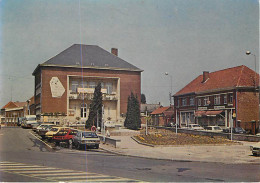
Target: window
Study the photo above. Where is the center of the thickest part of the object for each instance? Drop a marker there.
(92, 84)
(83, 111)
(217, 99)
(74, 86)
(199, 102)
(83, 84)
(230, 98)
(192, 101)
(225, 99)
(102, 85)
(109, 88)
(183, 101)
(206, 99)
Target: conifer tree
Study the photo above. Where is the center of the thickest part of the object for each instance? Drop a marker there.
(95, 108)
(133, 120)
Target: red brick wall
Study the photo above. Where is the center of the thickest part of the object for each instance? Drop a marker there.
(129, 81)
(248, 106)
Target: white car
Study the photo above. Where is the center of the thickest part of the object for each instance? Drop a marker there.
(255, 149)
(194, 127)
(213, 128)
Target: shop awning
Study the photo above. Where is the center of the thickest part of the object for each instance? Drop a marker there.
(207, 113)
(200, 113)
(213, 113)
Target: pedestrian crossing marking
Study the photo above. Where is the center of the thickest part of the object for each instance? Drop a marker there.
(62, 173)
(58, 174)
(43, 171)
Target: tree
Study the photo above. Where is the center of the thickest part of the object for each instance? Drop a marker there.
(95, 108)
(143, 99)
(133, 119)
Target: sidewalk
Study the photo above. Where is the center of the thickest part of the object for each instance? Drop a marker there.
(231, 154)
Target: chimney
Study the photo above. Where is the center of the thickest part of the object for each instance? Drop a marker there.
(114, 51)
(205, 76)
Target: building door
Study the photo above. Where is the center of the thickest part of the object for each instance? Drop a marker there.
(83, 111)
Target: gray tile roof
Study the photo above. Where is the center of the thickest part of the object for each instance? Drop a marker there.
(89, 56)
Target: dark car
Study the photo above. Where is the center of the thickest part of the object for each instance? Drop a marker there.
(237, 130)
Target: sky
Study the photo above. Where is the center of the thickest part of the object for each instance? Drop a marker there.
(181, 37)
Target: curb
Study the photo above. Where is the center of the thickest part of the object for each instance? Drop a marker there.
(174, 160)
(49, 148)
(142, 142)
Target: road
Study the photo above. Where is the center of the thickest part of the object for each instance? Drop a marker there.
(23, 158)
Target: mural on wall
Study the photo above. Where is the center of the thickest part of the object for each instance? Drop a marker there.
(57, 89)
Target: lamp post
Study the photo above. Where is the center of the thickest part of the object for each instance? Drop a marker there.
(249, 53)
(167, 74)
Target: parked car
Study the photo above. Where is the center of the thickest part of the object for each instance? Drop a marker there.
(65, 135)
(235, 130)
(43, 131)
(28, 121)
(43, 126)
(213, 128)
(86, 138)
(53, 131)
(255, 149)
(194, 127)
(35, 125)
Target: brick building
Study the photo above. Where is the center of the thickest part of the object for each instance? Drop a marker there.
(224, 98)
(64, 85)
(162, 116)
(12, 111)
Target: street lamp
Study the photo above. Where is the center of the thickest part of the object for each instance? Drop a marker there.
(249, 53)
(167, 74)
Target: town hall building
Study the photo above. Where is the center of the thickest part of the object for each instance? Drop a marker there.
(65, 84)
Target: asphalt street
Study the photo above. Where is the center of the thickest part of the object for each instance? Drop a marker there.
(24, 158)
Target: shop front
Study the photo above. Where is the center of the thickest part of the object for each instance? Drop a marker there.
(220, 118)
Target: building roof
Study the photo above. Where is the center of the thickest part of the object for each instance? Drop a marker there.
(149, 107)
(89, 56)
(160, 110)
(14, 105)
(240, 76)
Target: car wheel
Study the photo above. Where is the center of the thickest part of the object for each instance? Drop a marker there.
(254, 154)
(97, 146)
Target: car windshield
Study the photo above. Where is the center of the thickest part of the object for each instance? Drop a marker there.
(89, 135)
(54, 129)
(31, 119)
(196, 126)
(238, 129)
(217, 128)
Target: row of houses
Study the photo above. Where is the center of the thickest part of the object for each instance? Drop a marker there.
(64, 87)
